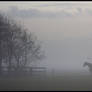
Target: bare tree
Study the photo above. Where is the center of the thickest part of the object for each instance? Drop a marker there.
(16, 45)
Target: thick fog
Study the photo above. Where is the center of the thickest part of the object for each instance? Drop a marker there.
(65, 30)
(67, 42)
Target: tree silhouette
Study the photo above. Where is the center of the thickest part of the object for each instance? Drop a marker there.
(17, 45)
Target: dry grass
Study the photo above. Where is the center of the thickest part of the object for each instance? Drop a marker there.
(48, 83)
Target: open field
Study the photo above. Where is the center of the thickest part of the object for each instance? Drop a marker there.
(47, 83)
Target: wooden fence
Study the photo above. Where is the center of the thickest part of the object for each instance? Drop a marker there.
(25, 70)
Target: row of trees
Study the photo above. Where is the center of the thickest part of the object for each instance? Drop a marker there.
(18, 47)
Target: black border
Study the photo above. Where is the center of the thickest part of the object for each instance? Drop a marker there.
(37, 0)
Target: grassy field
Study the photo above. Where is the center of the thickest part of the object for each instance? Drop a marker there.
(48, 83)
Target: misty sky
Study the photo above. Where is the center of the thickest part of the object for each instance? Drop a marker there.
(65, 28)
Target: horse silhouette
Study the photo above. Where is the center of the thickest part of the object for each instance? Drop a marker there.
(89, 66)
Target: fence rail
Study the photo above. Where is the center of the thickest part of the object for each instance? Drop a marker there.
(27, 70)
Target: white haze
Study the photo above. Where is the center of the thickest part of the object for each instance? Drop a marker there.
(67, 42)
(65, 30)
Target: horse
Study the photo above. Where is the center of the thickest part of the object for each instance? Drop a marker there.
(89, 66)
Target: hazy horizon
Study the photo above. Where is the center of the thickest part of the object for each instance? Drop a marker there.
(65, 29)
